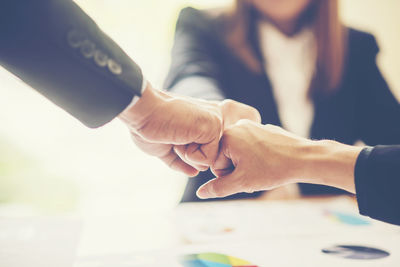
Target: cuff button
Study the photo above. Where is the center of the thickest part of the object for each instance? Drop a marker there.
(75, 38)
(87, 49)
(114, 67)
(100, 58)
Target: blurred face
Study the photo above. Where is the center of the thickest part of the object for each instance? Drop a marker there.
(281, 11)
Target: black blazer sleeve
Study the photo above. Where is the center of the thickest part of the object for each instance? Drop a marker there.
(54, 47)
(377, 111)
(377, 180)
(194, 70)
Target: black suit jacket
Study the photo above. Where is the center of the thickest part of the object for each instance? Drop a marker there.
(362, 108)
(377, 179)
(53, 46)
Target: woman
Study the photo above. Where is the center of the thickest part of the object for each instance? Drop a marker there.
(295, 62)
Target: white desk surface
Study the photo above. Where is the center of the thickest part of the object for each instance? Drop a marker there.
(266, 233)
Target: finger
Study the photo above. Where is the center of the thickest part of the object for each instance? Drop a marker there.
(176, 163)
(222, 166)
(220, 187)
(207, 135)
(195, 155)
(181, 151)
(158, 150)
(181, 166)
(204, 155)
(166, 153)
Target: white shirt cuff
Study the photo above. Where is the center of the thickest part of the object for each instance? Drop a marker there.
(135, 97)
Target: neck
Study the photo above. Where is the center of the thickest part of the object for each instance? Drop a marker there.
(288, 28)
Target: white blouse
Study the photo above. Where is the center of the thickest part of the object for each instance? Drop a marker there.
(290, 64)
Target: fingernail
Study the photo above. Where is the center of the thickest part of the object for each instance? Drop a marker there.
(205, 192)
(201, 193)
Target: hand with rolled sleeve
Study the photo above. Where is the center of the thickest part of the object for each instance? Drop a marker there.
(256, 157)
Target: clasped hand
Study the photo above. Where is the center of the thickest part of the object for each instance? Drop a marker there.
(191, 135)
(183, 132)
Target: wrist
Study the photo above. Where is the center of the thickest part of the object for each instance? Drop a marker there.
(136, 115)
(330, 163)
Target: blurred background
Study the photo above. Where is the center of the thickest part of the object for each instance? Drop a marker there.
(51, 164)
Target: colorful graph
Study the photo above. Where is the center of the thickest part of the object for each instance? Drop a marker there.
(346, 218)
(213, 260)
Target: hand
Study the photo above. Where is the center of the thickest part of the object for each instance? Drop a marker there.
(189, 143)
(160, 120)
(232, 111)
(257, 157)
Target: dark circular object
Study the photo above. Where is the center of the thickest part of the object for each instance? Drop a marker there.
(356, 252)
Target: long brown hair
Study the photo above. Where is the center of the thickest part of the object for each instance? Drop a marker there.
(330, 35)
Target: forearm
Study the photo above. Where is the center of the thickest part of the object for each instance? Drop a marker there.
(329, 163)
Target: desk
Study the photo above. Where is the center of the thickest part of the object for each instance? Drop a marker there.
(263, 232)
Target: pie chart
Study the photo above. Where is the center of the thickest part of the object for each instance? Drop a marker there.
(356, 252)
(213, 260)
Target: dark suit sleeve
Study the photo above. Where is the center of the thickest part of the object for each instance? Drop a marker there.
(54, 47)
(377, 179)
(377, 111)
(194, 70)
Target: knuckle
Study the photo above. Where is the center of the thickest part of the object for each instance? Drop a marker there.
(254, 114)
(244, 123)
(273, 129)
(269, 127)
(227, 103)
(229, 134)
(205, 121)
(209, 125)
(218, 124)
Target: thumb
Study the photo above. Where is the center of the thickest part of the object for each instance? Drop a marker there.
(220, 187)
(223, 165)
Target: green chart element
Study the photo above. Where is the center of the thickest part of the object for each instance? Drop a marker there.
(213, 260)
(214, 257)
